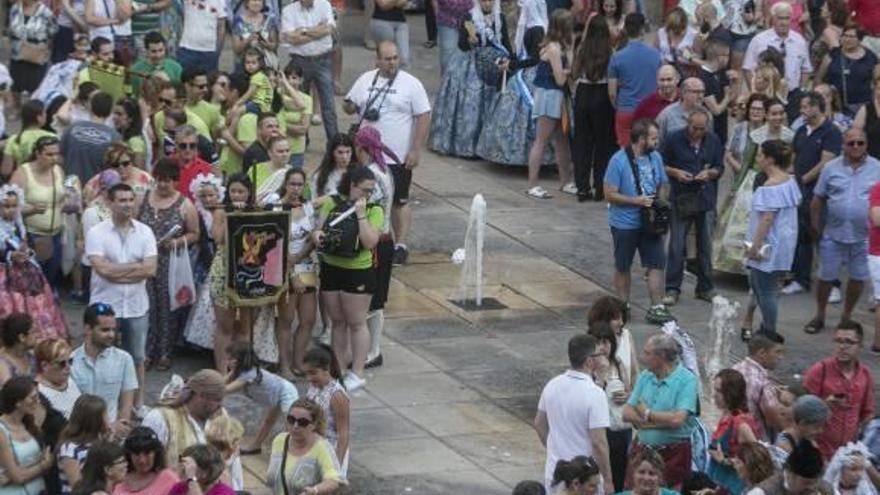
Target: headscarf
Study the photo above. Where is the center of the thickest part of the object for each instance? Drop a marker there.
(207, 382)
(370, 139)
(481, 21)
(844, 456)
(531, 13)
(7, 229)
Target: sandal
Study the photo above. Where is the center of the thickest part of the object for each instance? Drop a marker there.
(745, 334)
(814, 326)
(539, 193)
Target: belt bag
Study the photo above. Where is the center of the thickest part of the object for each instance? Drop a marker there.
(687, 204)
(34, 53)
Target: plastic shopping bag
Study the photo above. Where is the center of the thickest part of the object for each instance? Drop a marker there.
(181, 288)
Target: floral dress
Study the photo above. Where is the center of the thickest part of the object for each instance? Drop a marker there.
(165, 326)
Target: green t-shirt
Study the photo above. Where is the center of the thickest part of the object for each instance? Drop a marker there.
(245, 133)
(143, 66)
(364, 259)
(209, 113)
(20, 146)
(137, 145)
(285, 117)
(263, 92)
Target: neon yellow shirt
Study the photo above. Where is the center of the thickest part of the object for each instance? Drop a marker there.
(263, 92)
(364, 259)
(286, 117)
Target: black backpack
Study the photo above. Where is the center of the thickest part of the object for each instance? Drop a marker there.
(342, 239)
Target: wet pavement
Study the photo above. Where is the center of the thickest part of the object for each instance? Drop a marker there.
(451, 409)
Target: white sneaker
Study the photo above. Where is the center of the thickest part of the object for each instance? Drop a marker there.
(569, 188)
(835, 296)
(353, 382)
(793, 288)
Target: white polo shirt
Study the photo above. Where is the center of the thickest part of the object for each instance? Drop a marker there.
(574, 405)
(200, 21)
(398, 106)
(295, 16)
(138, 244)
(797, 55)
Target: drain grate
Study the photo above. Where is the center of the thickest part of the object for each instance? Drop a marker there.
(487, 304)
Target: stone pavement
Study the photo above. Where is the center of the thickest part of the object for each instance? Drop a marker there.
(451, 409)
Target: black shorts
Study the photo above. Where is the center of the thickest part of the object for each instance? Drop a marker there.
(402, 180)
(334, 278)
(384, 253)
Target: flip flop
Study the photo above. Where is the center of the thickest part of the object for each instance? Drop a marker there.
(539, 193)
(814, 326)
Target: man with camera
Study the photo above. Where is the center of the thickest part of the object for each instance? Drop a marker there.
(394, 102)
(636, 188)
(694, 162)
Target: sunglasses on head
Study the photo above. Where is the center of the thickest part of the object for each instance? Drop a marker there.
(301, 422)
(102, 309)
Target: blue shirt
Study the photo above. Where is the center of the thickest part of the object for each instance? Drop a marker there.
(846, 191)
(679, 153)
(108, 376)
(676, 392)
(619, 174)
(808, 150)
(635, 68)
(782, 200)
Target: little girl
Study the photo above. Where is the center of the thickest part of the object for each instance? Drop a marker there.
(325, 388)
(23, 288)
(258, 97)
(263, 387)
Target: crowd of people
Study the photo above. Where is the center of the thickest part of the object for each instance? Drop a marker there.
(134, 151)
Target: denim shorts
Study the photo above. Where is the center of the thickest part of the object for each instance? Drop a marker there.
(133, 336)
(740, 42)
(834, 255)
(627, 242)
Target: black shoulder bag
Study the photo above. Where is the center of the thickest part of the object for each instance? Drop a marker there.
(655, 218)
(341, 239)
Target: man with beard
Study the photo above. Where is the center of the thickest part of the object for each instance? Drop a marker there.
(122, 253)
(627, 196)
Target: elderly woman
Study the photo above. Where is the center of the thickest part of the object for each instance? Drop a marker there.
(647, 474)
(146, 465)
(201, 467)
(175, 223)
(302, 460)
(53, 375)
(810, 414)
(847, 470)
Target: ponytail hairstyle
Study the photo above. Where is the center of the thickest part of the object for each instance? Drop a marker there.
(579, 469)
(245, 360)
(322, 357)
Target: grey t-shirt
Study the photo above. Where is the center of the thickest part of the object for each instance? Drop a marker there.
(83, 145)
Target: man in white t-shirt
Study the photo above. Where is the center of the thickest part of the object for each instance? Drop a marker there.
(204, 27)
(395, 102)
(307, 28)
(122, 253)
(573, 413)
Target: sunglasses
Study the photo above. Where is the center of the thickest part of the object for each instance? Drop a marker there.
(187, 146)
(301, 422)
(855, 143)
(846, 342)
(102, 309)
(63, 363)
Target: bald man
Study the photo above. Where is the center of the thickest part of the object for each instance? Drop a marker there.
(666, 94)
(675, 116)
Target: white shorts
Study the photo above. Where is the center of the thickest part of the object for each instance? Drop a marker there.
(874, 269)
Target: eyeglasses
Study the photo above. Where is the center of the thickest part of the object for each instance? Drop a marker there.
(855, 143)
(846, 342)
(122, 163)
(301, 422)
(187, 146)
(102, 309)
(63, 363)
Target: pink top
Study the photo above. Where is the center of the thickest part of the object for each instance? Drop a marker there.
(218, 489)
(162, 484)
(873, 231)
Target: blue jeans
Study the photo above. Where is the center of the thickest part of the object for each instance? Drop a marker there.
(133, 335)
(52, 266)
(319, 70)
(398, 32)
(678, 230)
(763, 285)
(447, 40)
(191, 59)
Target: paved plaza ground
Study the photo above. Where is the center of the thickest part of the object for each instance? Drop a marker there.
(451, 409)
